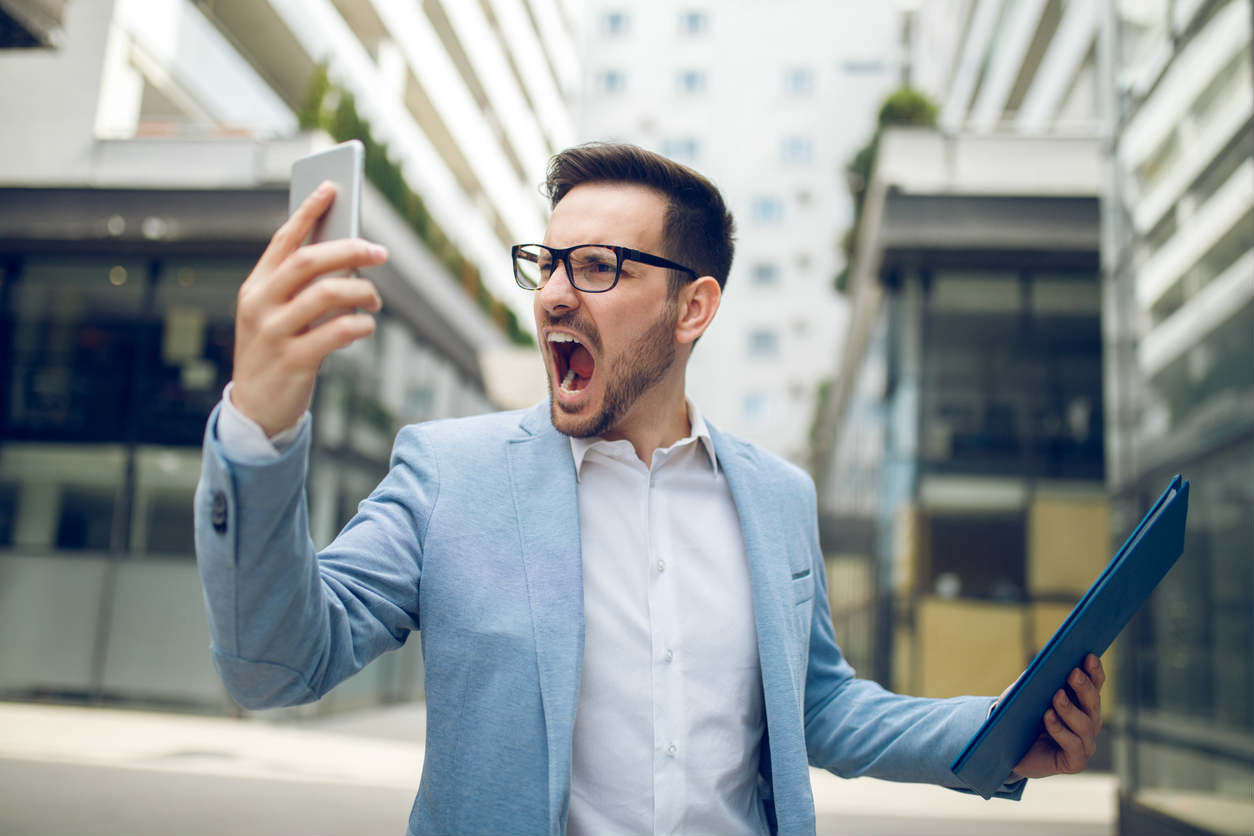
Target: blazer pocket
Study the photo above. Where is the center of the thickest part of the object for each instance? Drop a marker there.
(802, 586)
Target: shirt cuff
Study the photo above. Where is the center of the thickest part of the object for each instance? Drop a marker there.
(243, 440)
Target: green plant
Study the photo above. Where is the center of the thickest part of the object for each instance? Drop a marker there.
(903, 108)
(331, 109)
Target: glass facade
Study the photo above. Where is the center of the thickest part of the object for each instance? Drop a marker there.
(1012, 376)
(1180, 288)
(109, 367)
(1186, 679)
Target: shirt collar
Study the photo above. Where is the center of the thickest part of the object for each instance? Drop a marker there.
(579, 447)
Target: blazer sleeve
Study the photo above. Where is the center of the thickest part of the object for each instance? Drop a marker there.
(286, 624)
(855, 727)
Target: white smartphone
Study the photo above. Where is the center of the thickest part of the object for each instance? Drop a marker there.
(344, 166)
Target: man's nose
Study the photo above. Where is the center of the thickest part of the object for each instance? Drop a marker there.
(558, 293)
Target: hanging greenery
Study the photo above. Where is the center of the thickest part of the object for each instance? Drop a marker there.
(331, 109)
(906, 107)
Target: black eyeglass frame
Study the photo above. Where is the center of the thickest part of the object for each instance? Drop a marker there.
(622, 254)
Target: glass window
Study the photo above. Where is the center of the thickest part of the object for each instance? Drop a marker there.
(763, 343)
(76, 337)
(691, 82)
(754, 406)
(165, 484)
(1221, 256)
(693, 22)
(682, 149)
(113, 350)
(611, 81)
(767, 210)
(1207, 382)
(191, 350)
(796, 150)
(1186, 663)
(85, 518)
(1007, 389)
(61, 496)
(8, 513)
(960, 546)
(799, 81)
(765, 273)
(614, 23)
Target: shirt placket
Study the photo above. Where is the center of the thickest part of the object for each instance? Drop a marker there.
(669, 744)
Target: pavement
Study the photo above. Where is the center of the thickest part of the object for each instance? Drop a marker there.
(74, 770)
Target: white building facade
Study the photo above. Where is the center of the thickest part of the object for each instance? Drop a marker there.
(770, 101)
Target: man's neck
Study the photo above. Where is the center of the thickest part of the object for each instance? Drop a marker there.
(654, 423)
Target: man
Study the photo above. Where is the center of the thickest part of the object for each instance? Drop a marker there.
(623, 611)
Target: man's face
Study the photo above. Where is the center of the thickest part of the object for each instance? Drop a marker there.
(604, 350)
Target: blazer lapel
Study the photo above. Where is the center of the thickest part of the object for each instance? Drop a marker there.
(542, 474)
(770, 579)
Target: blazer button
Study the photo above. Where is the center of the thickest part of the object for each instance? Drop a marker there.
(218, 516)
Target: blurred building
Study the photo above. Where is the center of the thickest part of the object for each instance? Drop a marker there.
(1053, 312)
(1179, 308)
(959, 451)
(968, 463)
(143, 166)
(769, 100)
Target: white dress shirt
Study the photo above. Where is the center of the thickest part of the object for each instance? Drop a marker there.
(670, 719)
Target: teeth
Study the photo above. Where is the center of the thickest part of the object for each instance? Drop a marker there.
(555, 337)
(569, 379)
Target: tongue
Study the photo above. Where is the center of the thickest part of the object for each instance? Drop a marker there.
(581, 362)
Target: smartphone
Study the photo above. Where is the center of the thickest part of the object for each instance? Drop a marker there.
(344, 166)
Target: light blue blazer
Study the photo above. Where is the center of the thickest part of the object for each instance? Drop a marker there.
(473, 539)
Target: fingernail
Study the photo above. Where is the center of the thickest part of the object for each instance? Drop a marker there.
(324, 188)
(378, 252)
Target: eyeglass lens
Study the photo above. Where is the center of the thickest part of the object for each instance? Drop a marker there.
(592, 268)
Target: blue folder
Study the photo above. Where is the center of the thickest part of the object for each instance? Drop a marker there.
(1014, 725)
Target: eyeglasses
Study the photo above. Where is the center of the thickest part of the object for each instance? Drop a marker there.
(591, 268)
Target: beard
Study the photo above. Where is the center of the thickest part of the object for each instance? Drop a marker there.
(628, 376)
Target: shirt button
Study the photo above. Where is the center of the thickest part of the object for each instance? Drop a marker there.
(671, 750)
(661, 565)
(670, 656)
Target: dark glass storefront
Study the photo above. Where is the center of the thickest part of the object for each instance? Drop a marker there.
(112, 355)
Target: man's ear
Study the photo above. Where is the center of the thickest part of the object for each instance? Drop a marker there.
(698, 302)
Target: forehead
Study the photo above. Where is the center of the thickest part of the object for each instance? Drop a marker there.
(608, 213)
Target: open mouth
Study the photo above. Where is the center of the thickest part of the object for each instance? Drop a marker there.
(573, 362)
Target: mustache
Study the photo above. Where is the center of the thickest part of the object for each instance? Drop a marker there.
(575, 321)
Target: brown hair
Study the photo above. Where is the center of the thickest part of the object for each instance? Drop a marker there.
(698, 229)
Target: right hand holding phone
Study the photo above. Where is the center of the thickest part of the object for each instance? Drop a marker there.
(278, 346)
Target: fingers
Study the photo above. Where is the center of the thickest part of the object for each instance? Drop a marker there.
(1071, 756)
(1096, 672)
(296, 229)
(335, 333)
(307, 263)
(321, 298)
(1074, 731)
(1089, 696)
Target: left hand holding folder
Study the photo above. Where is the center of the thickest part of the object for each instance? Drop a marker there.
(1071, 725)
